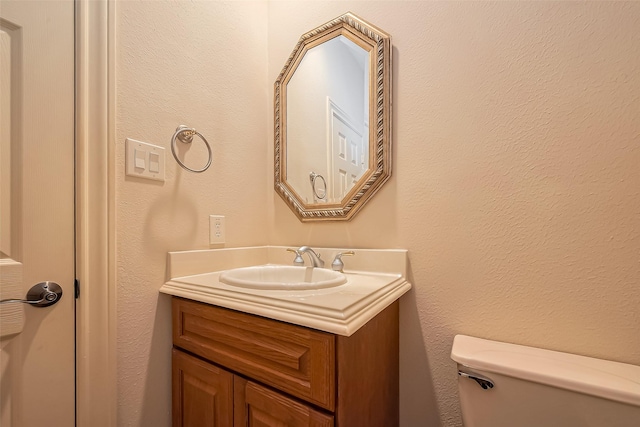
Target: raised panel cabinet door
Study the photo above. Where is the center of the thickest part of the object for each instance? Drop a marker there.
(202, 393)
(257, 406)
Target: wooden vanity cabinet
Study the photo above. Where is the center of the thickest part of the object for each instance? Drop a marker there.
(237, 369)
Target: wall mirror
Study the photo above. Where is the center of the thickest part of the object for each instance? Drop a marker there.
(333, 120)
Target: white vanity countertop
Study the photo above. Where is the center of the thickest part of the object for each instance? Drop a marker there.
(378, 281)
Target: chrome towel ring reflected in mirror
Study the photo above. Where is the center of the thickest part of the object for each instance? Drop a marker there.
(185, 135)
(319, 191)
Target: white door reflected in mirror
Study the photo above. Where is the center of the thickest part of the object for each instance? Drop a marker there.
(328, 119)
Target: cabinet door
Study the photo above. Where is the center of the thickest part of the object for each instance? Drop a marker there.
(257, 406)
(202, 393)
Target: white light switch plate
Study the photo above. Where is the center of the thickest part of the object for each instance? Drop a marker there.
(144, 160)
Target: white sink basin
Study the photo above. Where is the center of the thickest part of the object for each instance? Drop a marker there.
(282, 277)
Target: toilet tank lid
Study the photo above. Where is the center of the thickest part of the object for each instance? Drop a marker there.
(602, 378)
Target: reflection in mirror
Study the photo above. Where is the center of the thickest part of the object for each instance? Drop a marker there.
(332, 120)
(328, 120)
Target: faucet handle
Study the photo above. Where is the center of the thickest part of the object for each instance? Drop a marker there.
(337, 263)
(298, 261)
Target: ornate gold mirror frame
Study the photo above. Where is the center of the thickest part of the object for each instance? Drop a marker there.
(378, 45)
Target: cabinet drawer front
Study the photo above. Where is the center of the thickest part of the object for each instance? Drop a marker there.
(294, 359)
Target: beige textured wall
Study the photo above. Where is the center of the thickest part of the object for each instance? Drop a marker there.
(203, 64)
(516, 182)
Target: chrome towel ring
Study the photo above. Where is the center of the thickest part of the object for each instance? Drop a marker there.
(185, 135)
(318, 192)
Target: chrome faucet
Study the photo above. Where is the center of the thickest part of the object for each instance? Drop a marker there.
(313, 256)
(337, 264)
(298, 261)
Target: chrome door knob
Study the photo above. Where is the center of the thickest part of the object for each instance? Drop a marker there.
(43, 294)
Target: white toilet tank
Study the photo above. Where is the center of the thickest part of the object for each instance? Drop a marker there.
(532, 387)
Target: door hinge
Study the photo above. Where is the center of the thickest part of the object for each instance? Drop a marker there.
(77, 288)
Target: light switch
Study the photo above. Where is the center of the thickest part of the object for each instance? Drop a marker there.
(154, 162)
(144, 160)
(140, 157)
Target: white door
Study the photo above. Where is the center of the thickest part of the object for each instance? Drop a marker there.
(37, 354)
(347, 154)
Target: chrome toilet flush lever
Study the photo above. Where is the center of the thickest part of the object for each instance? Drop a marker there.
(337, 264)
(484, 382)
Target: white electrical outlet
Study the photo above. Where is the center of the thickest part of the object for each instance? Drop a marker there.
(216, 229)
